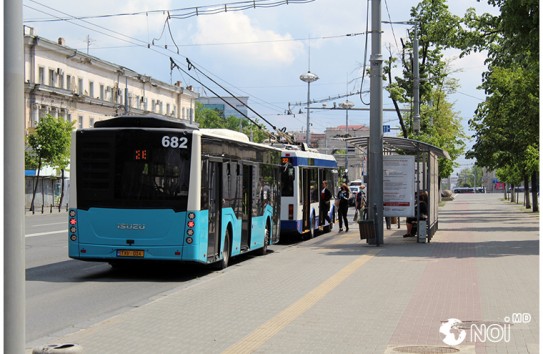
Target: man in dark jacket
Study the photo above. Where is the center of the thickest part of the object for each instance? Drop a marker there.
(324, 204)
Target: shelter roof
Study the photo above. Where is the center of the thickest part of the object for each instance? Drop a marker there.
(399, 144)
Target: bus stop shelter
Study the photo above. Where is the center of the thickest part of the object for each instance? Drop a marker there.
(425, 175)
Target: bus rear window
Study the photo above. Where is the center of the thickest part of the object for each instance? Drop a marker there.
(287, 181)
(133, 168)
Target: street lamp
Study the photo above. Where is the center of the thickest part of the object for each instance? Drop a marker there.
(309, 78)
(346, 106)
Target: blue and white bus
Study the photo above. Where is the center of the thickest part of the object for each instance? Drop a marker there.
(301, 179)
(151, 188)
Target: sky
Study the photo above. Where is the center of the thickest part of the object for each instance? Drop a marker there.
(257, 52)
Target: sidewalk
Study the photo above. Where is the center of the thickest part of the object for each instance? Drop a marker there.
(337, 294)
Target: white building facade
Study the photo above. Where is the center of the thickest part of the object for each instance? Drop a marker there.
(64, 82)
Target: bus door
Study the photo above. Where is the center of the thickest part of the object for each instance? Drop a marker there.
(305, 198)
(214, 186)
(247, 203)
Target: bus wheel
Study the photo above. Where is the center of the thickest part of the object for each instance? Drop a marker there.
(223, 263)
(312, 227)
(264, 249)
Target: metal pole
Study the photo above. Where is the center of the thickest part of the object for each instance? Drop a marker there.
(375, 189)
(307, 135)
(14, 246)
(416, 82)
(346, 144)
(126, 94)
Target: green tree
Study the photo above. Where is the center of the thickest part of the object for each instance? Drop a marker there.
(210, 118)
(440, 124)
(49, 144)
(507, 122)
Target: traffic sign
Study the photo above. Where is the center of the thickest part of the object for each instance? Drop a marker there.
(386, 128)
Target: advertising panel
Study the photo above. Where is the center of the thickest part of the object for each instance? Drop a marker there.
(399, 185)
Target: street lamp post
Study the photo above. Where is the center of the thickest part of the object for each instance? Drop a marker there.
(309, 77)
(346, 106)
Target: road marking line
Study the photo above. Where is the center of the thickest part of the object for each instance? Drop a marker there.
(46, 233)
(52, 223)
(265, 332)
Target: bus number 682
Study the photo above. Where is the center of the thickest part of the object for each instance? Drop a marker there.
(174, 142)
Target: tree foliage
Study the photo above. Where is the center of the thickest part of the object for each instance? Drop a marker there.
(440, 124)
(49, 144)
(506, 124)
(210, 118)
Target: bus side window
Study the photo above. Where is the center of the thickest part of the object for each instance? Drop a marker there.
(205, 182)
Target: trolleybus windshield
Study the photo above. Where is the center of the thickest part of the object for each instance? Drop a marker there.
(133, 168)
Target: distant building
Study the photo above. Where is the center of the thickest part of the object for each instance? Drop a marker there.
(225, 109)
(64, 82)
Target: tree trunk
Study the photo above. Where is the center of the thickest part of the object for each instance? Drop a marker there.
(35, 186)
(42, 196)
(512, 193)
(535, 189)
(527, 191)
(396, 106)
(61, 190)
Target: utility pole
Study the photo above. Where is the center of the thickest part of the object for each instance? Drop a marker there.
(14, 195)
(375, 188)
(416, 82)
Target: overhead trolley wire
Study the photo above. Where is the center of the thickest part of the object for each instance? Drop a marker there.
(192, 11)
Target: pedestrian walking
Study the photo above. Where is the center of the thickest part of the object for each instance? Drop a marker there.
(343, 196)
(324, 204)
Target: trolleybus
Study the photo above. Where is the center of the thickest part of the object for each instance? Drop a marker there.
(151, 188)
(301, 179)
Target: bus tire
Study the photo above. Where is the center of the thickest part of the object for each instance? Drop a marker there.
(223, 263)
(312, 229)
(264, 249)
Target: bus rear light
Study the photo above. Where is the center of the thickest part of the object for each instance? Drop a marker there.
(73, 237)
(291, 211)
(191, 224)
(189, 240)
(190, 232)
(177, 253)
(72, 213)
(191, 215)
(73, 229)
(73, 221)
(83, 250)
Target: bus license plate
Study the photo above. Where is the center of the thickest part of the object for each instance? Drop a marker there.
(130, 253)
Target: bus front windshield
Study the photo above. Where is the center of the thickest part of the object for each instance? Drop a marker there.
(133, 169)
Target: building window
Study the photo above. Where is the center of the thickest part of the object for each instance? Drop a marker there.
(69, 117)
(145, 103)
(160, 107)
(61, 80)
(80, 86)
(91, 122)
(168, 113)
(174, 111)
(41, 75)
(69, 82)
(102, 89)
(138, 102)
(80, 122)
(51, 77)
(153, 104)
(91, 89)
